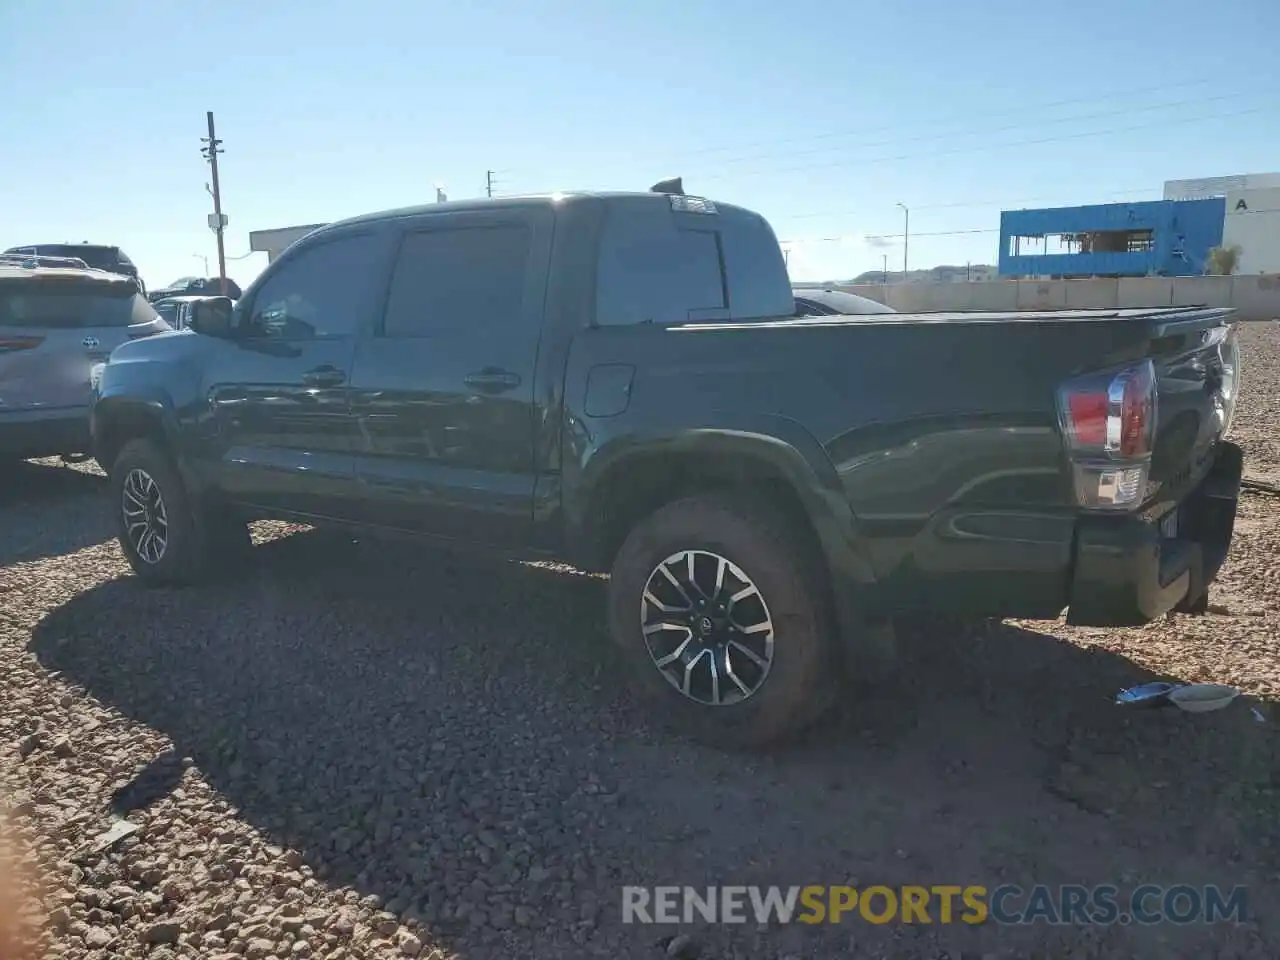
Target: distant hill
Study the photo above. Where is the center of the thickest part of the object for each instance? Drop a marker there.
(941, 274)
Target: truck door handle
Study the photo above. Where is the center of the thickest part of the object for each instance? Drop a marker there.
(492, 380)
(324, 376)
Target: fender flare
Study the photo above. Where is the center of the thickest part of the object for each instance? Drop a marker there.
(152, 405)
(781, 443)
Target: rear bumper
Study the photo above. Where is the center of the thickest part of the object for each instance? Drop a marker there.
(1126, 573)
(44, 433)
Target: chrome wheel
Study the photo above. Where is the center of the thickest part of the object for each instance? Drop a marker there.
(146, 523)
(707, 628)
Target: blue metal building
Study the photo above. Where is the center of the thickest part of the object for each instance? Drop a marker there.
(1170, 238)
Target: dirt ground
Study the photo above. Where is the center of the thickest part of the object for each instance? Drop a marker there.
(365, 752)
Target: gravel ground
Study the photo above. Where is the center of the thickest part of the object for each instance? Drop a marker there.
(360, 753)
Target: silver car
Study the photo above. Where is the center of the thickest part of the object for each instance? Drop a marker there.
(58, 318)
(825, 302)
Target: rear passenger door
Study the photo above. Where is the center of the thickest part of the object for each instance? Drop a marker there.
(53, 329)
(443, 393)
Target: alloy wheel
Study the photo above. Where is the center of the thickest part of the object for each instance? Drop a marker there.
(707, 628)
(146, 521)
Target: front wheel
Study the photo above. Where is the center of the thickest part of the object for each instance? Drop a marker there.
(725, 616)
(166, 538)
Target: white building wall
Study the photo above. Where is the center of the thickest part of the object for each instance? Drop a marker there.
(1253, 224)
(275, 242)
(1252, 297)
(1219, 186)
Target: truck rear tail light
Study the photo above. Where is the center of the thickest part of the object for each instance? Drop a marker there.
(1229, 353)
(1109, 423)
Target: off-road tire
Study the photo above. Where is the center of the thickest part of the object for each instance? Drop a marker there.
(789, 573)
(201, 541)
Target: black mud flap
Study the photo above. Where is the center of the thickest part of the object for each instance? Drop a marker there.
(1209, 518)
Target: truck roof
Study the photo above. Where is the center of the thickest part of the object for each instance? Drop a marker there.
(518, 202)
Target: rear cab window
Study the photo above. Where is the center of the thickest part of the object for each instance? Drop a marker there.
(664, 266)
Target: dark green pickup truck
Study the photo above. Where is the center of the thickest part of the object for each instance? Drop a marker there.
(619, 380)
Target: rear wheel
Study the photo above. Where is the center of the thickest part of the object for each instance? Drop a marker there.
(725, 617)
(165, 535)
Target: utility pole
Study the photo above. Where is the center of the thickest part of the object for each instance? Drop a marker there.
(210, 153)
(906, 236)
(884, 273)
(488, 184)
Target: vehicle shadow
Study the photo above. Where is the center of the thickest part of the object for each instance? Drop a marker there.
(378, 709)
(27, 490)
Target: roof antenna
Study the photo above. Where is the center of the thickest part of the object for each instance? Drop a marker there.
(674, 186)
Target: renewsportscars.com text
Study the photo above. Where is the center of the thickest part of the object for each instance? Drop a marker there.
(942, 904)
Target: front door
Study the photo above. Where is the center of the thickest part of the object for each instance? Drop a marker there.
(443, 393)
(279, 387)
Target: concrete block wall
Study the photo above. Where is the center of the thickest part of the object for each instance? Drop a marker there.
(1253, 297)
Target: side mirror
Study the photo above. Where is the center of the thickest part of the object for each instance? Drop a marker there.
(211, 317)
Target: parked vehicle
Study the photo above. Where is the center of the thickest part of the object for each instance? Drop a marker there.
(58, 319)
(821, 302)
(176, 311)
(98, 256)
(617, 380)
(168, 310)
(195, 286)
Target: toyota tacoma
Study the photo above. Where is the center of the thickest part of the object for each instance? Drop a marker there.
(620, 381)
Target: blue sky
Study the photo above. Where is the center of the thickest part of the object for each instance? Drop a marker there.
(821, 115)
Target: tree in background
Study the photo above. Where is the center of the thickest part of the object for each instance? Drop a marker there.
(1222, 261)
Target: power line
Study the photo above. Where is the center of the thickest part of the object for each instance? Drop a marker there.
(934, 233)
(1004, 129)
(844, 237)
(1004, 202)
(891, 236)
(981, 148)
(950, 118)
